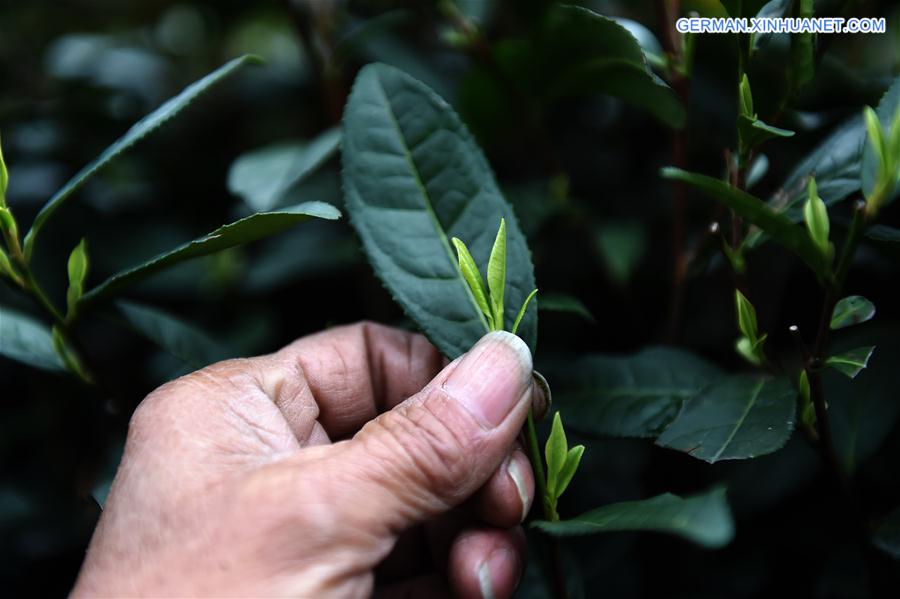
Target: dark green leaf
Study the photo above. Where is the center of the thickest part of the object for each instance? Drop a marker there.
(835, 163)
(851, 362)
(561, 302)
(621, 246)
(802, 66)
(184, 341)
(704, 519)
(414, 178)
(26, 340)
(739, 417)
(887, 535)
(584, 52)
(251, 228)
(263, 176)
(851, 310)
(733, 8)
(630, 396)
(864, 411)
(140, 130)
(753, 132)
(880, 233)
(754, 210)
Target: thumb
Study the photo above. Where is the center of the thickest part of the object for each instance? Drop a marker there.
(437, 448)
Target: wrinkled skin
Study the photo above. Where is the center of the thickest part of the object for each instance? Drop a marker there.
(349, 463)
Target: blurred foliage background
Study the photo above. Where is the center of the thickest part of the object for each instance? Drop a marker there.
(581, 172)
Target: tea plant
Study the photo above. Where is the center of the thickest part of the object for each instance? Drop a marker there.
(58, 349)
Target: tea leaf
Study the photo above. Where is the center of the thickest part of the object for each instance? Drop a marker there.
(815, 214)
(569, 467)
(864, 411)
(473, 278)
(747, 349)
(77, 267)
(26, 340)
(562, 302)
(4, 177)
(496, 275)
(138, 131)
(754, 210)
(746, 315)
(876, 153)
(183, 340)
(851, 363)
(251, 228)
(583, 52)
(630, 396)
(746, 98)
(802, 65)
(413, 179)
(883, 233)
(704, 519)
(522, 311)
(851, 310)
(739, 417)
(556, 452)
(263, 176)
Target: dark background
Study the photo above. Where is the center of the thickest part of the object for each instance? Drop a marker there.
(74, 75)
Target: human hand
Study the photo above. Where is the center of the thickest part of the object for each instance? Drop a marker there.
(275, 475)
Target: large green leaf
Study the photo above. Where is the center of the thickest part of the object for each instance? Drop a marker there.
(26, 340)
(263, 176)
(836, 165)
(630, 396)
(739, 417)
(563, 302)
(251, 228)
(883, 233)
(583, 52)
(184, 341)
(413, 179)
(757, 212)
(851, 310)
(138, 131)
(704, 519)
(863, 411)
(851, 363)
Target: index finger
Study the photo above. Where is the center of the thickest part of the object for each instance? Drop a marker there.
(353, 373)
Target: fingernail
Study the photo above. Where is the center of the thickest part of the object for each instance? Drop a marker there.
(517, 475)
(492, 377)
(495, 568)
(542, 398)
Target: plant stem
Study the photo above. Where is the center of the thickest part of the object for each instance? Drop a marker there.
(681, 84)
(534, 452)
(557, 573)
